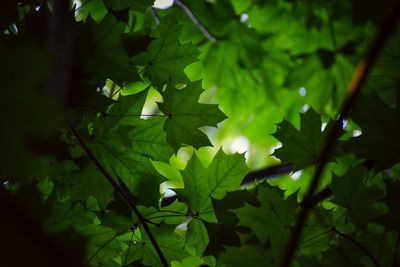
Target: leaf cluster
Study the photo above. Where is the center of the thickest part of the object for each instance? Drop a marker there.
(115, 153)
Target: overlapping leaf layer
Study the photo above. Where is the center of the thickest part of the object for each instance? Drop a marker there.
(109, 105)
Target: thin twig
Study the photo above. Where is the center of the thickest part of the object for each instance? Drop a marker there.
(100, 248)
(196, 22)
(82, 5)
(129, 248)
(116, 92)
(155, 15)
(122, 191)
(112, 89)
(357, 244)
(352, 93)
(170, 211)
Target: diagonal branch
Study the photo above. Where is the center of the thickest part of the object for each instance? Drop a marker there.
(155, 15)
(190, 14)
(121, 190)
(196, 22)
(357, 244)
(352, 93)
(266, 173)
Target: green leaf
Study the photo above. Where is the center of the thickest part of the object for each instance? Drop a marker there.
(264, 52)
(197, 236)
(382, 245)
(224, 233)
(317, 235)
(185, 115)
(224, 174)
(165, 57)
(380, 126)
(117, 222)
(94, 9)
(391, 218)
(121, 127)
(273, 219)
(383, 78)
(90, 182)
(360, 200)
(171, 244)
(107, 57)
(301, 147)
(140, 177)
(64, 215)
(345, 254)
(135, 42)
(125, 111)
(150, 141)
(188, 262)
(102, 243)
(174, 213)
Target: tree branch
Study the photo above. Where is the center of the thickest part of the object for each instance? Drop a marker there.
(121, 190)
(352, 93)
(357, 244)
(196, 22)
(316, 199)
(155, 15)
(266, 173)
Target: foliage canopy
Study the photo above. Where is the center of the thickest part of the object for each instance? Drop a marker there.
(121, 125)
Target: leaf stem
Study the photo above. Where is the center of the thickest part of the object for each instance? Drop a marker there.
(121, 190)
(129, 248)
(352, 93)
(100, 248)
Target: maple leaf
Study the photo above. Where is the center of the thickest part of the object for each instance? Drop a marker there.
(150, 141)
(301, 147)
(107, 57)
(89, 182)
(176, 213)
(352, 192)
(122, 129)
(197, 236)
(224, 232)
(224, 174)
(380, 126)
(125, 111)
(185, 115)
(172, 245)
(165, 58)
(273, 219)
(253, 72)
(139, 176)
(102, 242)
